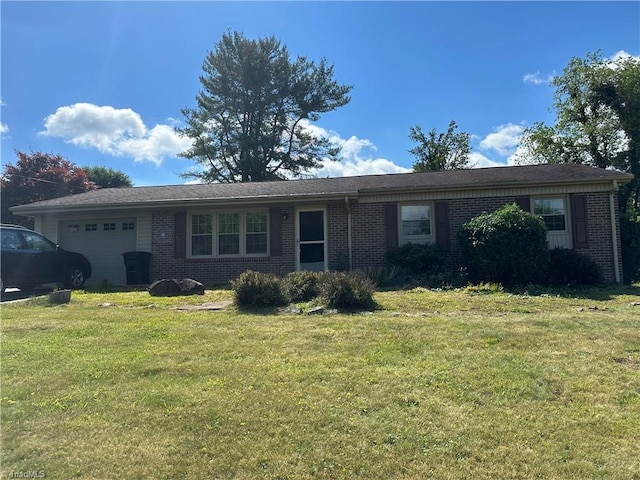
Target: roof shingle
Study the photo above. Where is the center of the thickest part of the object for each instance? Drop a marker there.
(339, 186)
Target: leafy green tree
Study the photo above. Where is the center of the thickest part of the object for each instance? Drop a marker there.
(597, 104)
(248, 123)
(39, 176)
(440, 151)
(105, 177)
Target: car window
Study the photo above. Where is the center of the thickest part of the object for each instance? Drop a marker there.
(38, 242)
(11, 240)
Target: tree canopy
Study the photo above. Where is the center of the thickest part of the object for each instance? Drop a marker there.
(249, 121)
(105, 177)
(440, 151)
(39, 176)
(597, 105)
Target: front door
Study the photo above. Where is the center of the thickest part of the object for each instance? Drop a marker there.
(311, 240)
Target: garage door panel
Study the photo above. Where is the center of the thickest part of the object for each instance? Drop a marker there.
(103, 242)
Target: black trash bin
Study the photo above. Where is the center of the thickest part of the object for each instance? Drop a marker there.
(136, 265)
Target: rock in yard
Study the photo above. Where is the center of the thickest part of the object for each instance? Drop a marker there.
(173, 287)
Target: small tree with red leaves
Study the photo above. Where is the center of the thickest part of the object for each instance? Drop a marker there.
(39, 176)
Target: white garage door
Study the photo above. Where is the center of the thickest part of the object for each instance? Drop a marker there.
(103, 242)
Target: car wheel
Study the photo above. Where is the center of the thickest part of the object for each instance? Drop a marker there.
(74, 278)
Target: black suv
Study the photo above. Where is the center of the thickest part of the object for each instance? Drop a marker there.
(30, 259)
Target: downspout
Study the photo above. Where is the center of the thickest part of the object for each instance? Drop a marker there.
(348, 207)
(614, 236)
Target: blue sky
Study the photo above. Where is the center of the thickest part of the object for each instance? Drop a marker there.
(102, 83)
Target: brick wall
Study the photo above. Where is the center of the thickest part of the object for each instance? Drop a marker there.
(368, 233)
(369, 245)
(213, 271)
(600, 247)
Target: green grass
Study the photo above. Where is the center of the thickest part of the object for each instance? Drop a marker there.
(472, 383)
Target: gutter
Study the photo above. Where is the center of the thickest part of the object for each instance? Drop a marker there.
(27, 210)
(622, 177)
(614, 236)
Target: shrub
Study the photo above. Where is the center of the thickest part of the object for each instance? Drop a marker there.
(417, 258)
(508, 246)
(446, 279)
(382, 277)
(568, 267)
(302, 286)
(255, 289)
(343, 290)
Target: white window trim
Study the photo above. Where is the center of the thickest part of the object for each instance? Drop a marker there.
(421, 239)
(567, 217)
(558, 238)
(215, 233)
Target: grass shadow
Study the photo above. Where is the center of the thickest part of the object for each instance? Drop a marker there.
(596, 293)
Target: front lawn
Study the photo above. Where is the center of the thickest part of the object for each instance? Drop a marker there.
(446, 385)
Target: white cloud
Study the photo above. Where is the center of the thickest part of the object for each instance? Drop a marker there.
(538, 78)
(3, 128)
(114, 131)
(478, 160)
(504, 140)
(363, 166)
(355, 158)
(622, 55)
(159, 142)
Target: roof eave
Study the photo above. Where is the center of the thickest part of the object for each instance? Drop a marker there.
(620, 178)
(27, 210)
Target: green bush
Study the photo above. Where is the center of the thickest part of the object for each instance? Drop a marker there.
(508, 246)
(568, 267)
(346, 290)
(382, 277)
(255, 289)
(417, 258)
(302, 286)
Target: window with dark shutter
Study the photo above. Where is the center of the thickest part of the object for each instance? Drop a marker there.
(524, 203)
(579, 221)
(391, 223)
(275, 232)
(180, 235)
(442, 224)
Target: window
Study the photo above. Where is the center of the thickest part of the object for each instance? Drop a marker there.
(201, 235)
(256, 228)
(229, 233)
(109, 227)
(415, 224)
(37, 242)
(553, 212)
(91, 227)
(73, 227)
(128, 226)
(11, 240)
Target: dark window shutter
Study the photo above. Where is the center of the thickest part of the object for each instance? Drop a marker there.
(442, 224)
(579, 221)
(391, 223)
(275, 232)
(524, 203)
(180, 235)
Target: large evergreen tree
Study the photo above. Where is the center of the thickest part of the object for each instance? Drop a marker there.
(248, 123)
